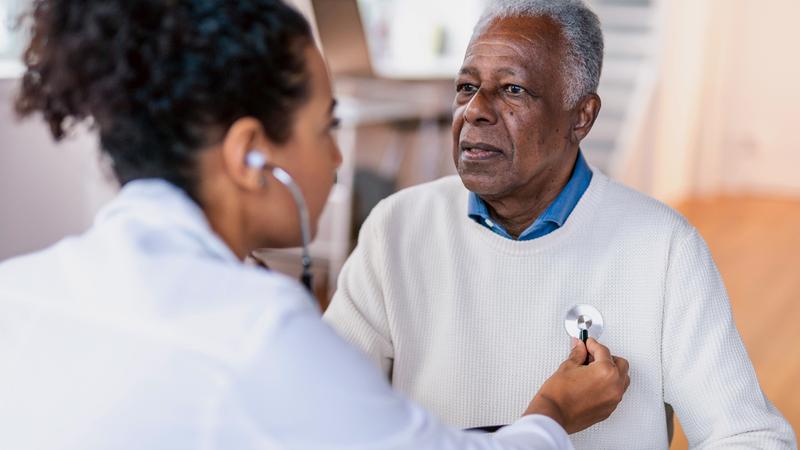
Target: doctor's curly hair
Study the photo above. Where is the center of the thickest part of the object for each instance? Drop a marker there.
(161, 79)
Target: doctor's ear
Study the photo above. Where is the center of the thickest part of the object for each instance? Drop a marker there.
(246, 151)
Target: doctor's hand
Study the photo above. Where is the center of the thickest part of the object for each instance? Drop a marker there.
(578, 396)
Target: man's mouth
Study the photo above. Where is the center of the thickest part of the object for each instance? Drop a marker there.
(479, 151)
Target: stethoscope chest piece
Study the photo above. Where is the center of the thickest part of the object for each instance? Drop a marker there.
(583, 320)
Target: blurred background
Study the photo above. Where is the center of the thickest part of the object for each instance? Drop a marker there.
(700, 102)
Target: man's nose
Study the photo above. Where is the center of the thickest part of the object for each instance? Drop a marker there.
(479, 110)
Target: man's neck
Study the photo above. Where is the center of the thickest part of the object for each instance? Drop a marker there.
(517, 211)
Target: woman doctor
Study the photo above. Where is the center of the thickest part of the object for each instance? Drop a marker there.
(149, 331)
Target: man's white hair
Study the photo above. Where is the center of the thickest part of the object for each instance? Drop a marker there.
(580, 28)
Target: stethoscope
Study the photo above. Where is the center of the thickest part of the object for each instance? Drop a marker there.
(583, 322)
(258, 161)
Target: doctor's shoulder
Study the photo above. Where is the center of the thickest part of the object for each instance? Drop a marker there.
(32, 272)
(254, 291)
(236, 309)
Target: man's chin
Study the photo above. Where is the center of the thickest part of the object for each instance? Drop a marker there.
(481, 183)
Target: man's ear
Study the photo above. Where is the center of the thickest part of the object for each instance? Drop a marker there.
(244, 136)
(584, 115)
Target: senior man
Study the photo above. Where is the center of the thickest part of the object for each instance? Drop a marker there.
(458, 288)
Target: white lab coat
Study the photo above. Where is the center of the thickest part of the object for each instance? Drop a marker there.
(146, 332)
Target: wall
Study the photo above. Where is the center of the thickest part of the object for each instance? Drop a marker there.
(46, 191)
(724, 113)
(758, 148)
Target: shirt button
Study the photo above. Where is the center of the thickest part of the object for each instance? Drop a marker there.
(489, 223)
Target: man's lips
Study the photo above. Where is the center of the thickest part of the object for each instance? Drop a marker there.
(478, 151)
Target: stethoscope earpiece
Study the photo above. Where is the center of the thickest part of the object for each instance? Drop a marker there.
(256, 160)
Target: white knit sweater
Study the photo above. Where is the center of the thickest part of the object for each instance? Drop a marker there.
(470, 324)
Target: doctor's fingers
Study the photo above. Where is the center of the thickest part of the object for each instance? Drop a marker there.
(621, 363)
(599, 352)
(578, 353)
(623, 368)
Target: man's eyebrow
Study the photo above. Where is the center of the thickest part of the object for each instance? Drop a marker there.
(508, 71)
(334, 102)
(502, 70)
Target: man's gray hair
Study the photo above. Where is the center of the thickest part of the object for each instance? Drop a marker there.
(581, 30)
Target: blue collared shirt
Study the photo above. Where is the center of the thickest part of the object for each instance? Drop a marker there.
(552, 218)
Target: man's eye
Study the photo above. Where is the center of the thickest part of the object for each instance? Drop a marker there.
(514, 89)
(466, 88)
(335, 123)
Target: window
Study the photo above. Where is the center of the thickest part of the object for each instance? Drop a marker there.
(12, 39)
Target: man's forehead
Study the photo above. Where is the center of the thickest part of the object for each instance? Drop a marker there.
(521, 35)
(514, 45)
(539, 26)
(507, 58)
(501, 46)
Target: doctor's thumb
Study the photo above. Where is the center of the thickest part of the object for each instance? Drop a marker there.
(578, 353)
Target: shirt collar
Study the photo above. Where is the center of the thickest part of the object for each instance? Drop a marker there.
(160, 204)
(562, 206)
(556, 213)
